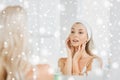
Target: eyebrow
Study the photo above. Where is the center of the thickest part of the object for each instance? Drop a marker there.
(79, 29)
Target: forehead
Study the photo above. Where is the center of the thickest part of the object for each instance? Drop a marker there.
(78, 26)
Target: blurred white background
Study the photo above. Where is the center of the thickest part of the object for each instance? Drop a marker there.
(49, 23)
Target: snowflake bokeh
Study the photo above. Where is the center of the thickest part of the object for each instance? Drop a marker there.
(49, 23)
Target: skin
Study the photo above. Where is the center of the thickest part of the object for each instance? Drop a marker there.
(77, 56)
(42, 73)
(15, 45)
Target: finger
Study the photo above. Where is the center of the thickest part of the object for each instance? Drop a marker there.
(79, 48)
(68, 43)
(67, 39)
(85, 42)
(72, 48)
(83, 46)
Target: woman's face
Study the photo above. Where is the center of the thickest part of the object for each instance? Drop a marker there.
(78, 35)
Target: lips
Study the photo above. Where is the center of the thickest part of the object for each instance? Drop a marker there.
(75, 40)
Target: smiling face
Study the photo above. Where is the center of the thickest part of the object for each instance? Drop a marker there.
(78, 34)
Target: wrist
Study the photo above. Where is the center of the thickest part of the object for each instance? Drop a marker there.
(69, 55)
(75, 60)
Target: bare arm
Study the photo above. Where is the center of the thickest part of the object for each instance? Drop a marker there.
(65, 65)
(76, 70)
(68, 66)
(76, 58)
(67, 69)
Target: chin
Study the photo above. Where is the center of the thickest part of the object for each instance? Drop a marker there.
(75, 45)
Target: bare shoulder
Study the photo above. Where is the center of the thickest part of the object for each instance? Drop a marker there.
(61, 61)
(93, 63)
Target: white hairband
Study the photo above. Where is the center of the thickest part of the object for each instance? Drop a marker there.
(89, 31)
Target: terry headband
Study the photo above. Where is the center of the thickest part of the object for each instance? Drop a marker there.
(89, 33)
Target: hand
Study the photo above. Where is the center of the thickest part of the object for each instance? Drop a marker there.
(69, 47)
(80, 52)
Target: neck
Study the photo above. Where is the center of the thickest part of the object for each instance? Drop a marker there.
(82, 54)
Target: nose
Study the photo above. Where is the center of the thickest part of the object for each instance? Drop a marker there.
(75, 35)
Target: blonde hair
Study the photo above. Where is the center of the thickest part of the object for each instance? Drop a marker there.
(90, 45)
(12, 43)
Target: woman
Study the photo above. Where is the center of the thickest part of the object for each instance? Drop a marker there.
(14, 48)
(80, 58)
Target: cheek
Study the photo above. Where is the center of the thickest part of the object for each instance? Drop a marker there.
(83, 38)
